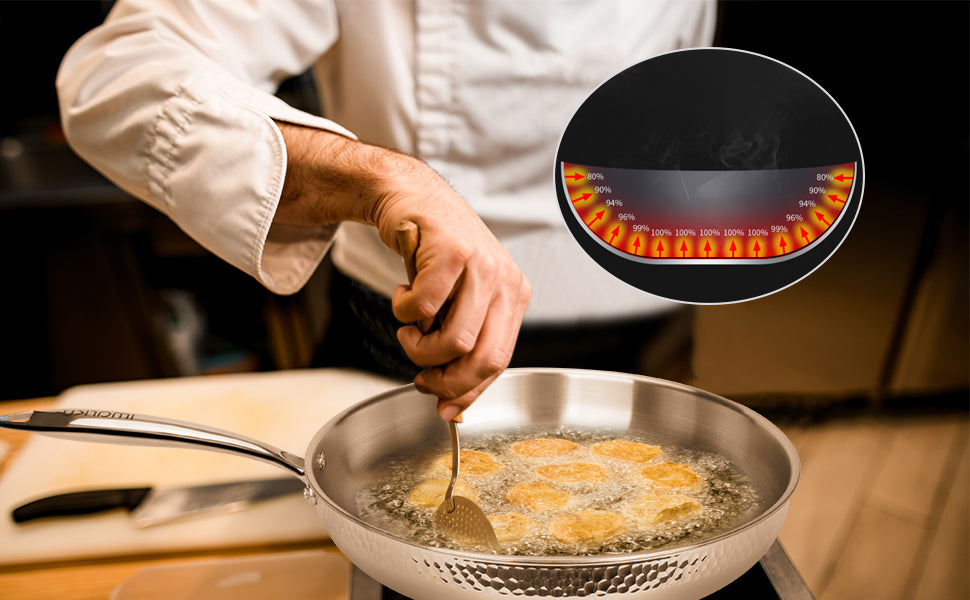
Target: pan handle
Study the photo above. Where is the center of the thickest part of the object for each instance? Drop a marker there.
(93, 425)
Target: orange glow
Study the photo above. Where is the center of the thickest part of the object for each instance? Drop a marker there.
(846, 172)
(821, 218)
(684, 247)
(805, 233)
(614, 233)
(581, 194)
(596, 219)
(707, 248)
(759, 236)
(636, 244)
(777, 248)
(760, 252)
(569, 172)
(835, 198)
(738, 251)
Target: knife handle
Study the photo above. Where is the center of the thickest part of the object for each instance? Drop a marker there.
(80, 503)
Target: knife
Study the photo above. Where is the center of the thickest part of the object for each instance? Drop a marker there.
(150, 506)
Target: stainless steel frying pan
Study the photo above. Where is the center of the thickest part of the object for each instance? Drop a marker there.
(350, 450)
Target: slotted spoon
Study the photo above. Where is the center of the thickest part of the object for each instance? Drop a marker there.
(458, 517)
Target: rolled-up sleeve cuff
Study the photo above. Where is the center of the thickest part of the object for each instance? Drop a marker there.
(216, 165)
(290, 253)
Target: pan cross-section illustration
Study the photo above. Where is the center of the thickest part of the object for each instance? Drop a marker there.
(708, 217)
(709, 176)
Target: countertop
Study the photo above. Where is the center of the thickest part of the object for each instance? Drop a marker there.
(98, 578)
(70, 571)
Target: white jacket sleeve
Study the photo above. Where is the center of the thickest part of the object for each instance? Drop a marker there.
(172, 101)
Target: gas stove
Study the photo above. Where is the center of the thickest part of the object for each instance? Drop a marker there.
(774, 576)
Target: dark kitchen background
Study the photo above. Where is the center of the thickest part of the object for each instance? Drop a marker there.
(99, 287)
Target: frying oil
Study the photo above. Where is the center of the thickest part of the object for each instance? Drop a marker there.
(724, 497)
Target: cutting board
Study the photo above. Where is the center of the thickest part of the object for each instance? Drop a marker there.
(283, 408)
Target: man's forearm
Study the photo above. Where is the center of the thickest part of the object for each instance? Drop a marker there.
(331, 178)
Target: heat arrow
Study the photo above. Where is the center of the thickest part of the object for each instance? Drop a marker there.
(614, 233)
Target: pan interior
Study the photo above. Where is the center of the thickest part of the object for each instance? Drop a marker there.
(358, 444)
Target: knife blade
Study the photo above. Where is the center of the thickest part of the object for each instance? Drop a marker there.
(150, 506)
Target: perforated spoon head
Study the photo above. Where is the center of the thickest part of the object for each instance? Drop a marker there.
(460, 518)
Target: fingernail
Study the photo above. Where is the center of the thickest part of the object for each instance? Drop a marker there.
(449, 412)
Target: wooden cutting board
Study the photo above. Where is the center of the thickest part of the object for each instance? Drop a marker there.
(283, 408)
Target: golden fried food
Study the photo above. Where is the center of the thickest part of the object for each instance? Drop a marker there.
(511, 527)
(577, 472)
(671, 476)
(473, 464)
(624, 450)
(431, 493)
(544, 448)
(653, 510)
(538, 497)
(587, 526)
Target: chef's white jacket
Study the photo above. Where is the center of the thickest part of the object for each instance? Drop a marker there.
(173, 101)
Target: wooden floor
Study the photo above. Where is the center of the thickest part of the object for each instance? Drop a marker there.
(881, 510)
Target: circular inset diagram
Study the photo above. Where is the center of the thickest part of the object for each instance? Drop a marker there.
(709, 176)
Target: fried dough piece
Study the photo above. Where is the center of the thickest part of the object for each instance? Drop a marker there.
(431, 493)
(473, 464)
(671, 476)
(538, 497)
(587, 526)
(624, 450)
(572, 473)
(654, 510)
(544, 448)
(511, 527)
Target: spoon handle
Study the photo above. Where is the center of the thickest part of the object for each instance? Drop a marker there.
(455, 459)
(408, 238)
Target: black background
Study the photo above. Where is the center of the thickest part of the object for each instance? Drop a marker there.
(899, 70)
(707, 110)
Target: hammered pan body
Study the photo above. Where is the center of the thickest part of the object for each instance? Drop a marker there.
(351, 449)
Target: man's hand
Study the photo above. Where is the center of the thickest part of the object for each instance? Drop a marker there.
(330, 179)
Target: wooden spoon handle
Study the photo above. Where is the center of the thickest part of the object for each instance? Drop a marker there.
(408, 238)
